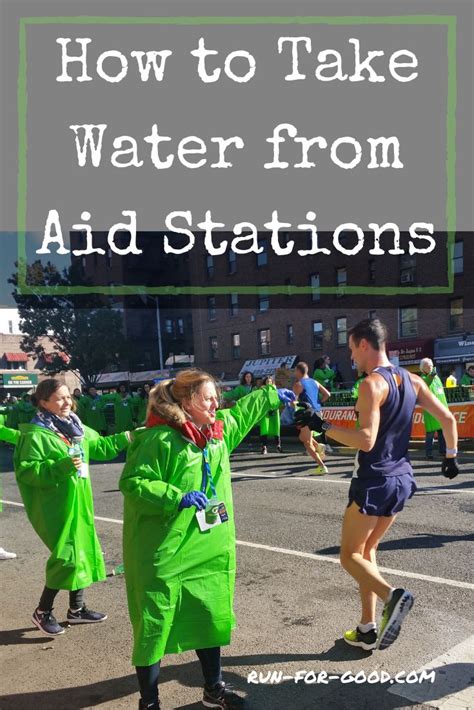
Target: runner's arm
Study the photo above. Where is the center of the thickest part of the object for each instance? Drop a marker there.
(371, 395)
(324, 394)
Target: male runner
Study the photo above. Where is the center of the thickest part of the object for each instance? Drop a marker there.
(310, 393)
(383, 477)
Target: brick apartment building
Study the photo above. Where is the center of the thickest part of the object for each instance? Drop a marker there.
(229, 329)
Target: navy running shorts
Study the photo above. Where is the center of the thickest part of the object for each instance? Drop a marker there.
(382, 496)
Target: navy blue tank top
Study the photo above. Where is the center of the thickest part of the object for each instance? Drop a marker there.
(389, 456)
(310, 393)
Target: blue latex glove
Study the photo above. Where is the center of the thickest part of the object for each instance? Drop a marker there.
(196, 498)
(286, 396)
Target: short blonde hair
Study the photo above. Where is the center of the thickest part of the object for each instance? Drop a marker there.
(166, 398)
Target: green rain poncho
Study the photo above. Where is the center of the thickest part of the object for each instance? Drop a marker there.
(59, 504)
(180, 581)
(25, 411)
(93, 413)
(237, 393)
(9, 436)
(325, 377)
(124, 411)
(436, 388)
(270, 424)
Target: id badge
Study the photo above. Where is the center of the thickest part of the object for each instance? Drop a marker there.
(214, 514)
(83, 472)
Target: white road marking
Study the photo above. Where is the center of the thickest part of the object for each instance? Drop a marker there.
(312, 556)
(311, 477)
(452, 689)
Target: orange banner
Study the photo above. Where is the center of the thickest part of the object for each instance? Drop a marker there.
(463, 413)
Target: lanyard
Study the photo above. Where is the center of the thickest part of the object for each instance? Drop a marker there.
(206, 474)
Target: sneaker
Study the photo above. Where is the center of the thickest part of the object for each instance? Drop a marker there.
(85, 616)
(149, 706)
(393, 614)
(356, 637)
(221, 696)
(279, 449)
(46, 622)
(329, 449)
(264, 451)
(320, 470)
(4, 555)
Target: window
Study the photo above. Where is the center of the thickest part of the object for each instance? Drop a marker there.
(264, 343)
(317, 335)
(407, 269)
(341, 330)
(290, 334)
(180, 323)
(233, 304)
(213, 348)
(10, 326)
(408, 322)
(169, 326)
(235, 346)
(211, 308)
(458, 257)
(262, 258)
(314, 282)
(210, 266)
(231, 262)
(341, 281)
(263, 302)
(456, 314)
(371, 265)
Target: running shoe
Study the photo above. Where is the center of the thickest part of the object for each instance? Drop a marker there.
(5, 555)
(264, 451)
(393, 614)
(85, 616)
(221, 696)
(320, 470)
(46, 623)
(356, 637)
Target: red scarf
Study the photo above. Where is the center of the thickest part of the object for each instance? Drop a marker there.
(200, 437)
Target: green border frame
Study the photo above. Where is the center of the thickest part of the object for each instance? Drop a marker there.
(447, 20)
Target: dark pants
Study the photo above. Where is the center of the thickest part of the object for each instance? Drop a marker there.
(148, 675)
(264, 440)
(76, 599)
(429, 442)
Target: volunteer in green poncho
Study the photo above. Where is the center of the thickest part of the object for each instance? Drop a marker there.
(25, 410)
(51, 466)
(142, 403)
(323, 374)
(467, 380)
(12, 413)
(246, 386)
(270, 425)
(432, 425)
(179, 575)
(125, 414)
(93, 411)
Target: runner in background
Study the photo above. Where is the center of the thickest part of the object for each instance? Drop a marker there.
(310, 393)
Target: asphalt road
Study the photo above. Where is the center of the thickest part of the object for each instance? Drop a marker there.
(293, 601)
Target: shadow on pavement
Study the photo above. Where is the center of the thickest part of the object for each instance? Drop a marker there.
(418, 541)
(12, 637)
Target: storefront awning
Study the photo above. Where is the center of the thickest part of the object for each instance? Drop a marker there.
(453, 350)
(16, 357)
